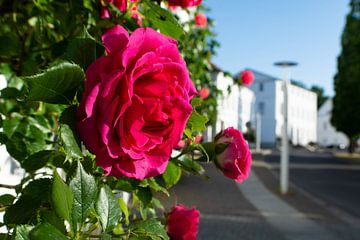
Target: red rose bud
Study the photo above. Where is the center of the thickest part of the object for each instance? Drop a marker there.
(233, 156)
(200, 20)
(204, 93)
(182, 223)
(184, 3)
(198, 138)
(247, 77)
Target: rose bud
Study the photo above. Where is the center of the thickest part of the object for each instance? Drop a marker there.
(232, 154)
(200, 20)
(184, 3)
(198, 138)
(247, 77)
(182, 223)
(204, 93)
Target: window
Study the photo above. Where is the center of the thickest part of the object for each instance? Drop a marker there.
(261, 87)
(261, 108)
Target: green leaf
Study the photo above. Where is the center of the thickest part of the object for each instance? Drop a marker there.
(62, 197)
(71, 146)
(172, 174)
(11, 124)
(6, 199)
(84, 50)
(189, 165)
(156, 185)
(23, 211)
(46, 231)
(57, 84)
(124, 209)
(144, 195)
(163, 20)
(38, 160)
(22, 232)
(197, 122)
(51, 217)
(108, 209)
(84, 190)
(150, 228)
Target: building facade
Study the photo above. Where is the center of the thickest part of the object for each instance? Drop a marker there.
(302, 111)
(327, 134)
(235, 107)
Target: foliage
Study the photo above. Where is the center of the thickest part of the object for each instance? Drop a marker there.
(346, 113)
(45, 49)
(321, 97)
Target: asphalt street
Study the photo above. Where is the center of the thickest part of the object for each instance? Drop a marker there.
(333, 180)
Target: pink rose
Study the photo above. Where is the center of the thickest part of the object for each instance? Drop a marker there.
(200, 20)
(235, 160)
(204, 93)
(247, 77)
(182, 223)
(184, 3)
(119, 4)
(198, 138)
(136, 103)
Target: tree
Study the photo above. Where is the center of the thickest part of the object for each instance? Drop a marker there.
(321, 98)
(346, 111)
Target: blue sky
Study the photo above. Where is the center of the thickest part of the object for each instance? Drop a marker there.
(256, 33)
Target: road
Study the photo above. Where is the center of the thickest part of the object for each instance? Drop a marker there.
(332, 180)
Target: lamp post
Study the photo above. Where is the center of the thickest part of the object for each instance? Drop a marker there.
(284, 162)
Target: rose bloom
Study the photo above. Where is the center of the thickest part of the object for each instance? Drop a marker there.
(200, 20)
(119, 4)
(204, 93)
(184, 3)
(136, 103)
(235, 160)
(182, 223)
(247, 77)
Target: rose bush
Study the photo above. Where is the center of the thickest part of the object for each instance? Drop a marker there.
(184, 3)
(200, 20)
(119, 4)
(233, 156)
(182, 223)
(136, 103)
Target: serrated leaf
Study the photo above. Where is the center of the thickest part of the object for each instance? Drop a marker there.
(124, 209)
(6, 199)
(163, 20)
(189, 165)
(11, 124)
(71, 146)
(57, 84)
(24, 209)
(62, 197)
(150, 228)
(22, 232)
(197, 122)
(84, 50)
(172, 174)
(144, 195)
(38, 160)
(46, 231)
(84, 189)
(108, 209)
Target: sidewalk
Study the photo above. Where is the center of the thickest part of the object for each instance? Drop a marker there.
(254, 210)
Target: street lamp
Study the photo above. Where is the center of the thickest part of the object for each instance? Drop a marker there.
(284, 166)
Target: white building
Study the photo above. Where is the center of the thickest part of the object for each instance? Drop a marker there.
(302, 111)
(235, 107)
(327, 134)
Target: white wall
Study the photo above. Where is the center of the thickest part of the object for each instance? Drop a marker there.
(246, 111)
(265, 105)
(327, 134)
(302, 114)
(228, 103)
